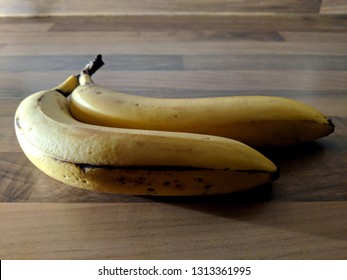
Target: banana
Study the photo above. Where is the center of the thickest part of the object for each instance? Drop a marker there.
(258, 121)
(132, 161)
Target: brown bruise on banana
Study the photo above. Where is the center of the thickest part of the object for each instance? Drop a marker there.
(17, 122)
(154, 180)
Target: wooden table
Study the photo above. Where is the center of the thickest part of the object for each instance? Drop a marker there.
(300, 216)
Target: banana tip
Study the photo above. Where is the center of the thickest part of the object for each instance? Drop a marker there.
(331, 125)
(275, 175)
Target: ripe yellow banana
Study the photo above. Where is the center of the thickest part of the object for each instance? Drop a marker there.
(259, 121)
(128, 161)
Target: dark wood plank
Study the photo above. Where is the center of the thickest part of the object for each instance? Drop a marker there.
(139, 36)
(265, 62)
(314, 37)
(233, 23)
(175, 48)
(227, 80)
(75, 63)
(213, 81)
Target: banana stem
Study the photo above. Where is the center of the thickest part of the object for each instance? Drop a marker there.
(66, 87)
(93, 66)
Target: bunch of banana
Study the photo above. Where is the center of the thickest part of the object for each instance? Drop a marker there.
(118, 143)
(132, 161)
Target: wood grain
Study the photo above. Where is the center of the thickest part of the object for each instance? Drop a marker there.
(170, 231)
(300, 216)
(133, 36)
(227, 23)
(265, 62)
(333, 7)
(149, 62)
(170, 7)
(179, 48)
(314, 37)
